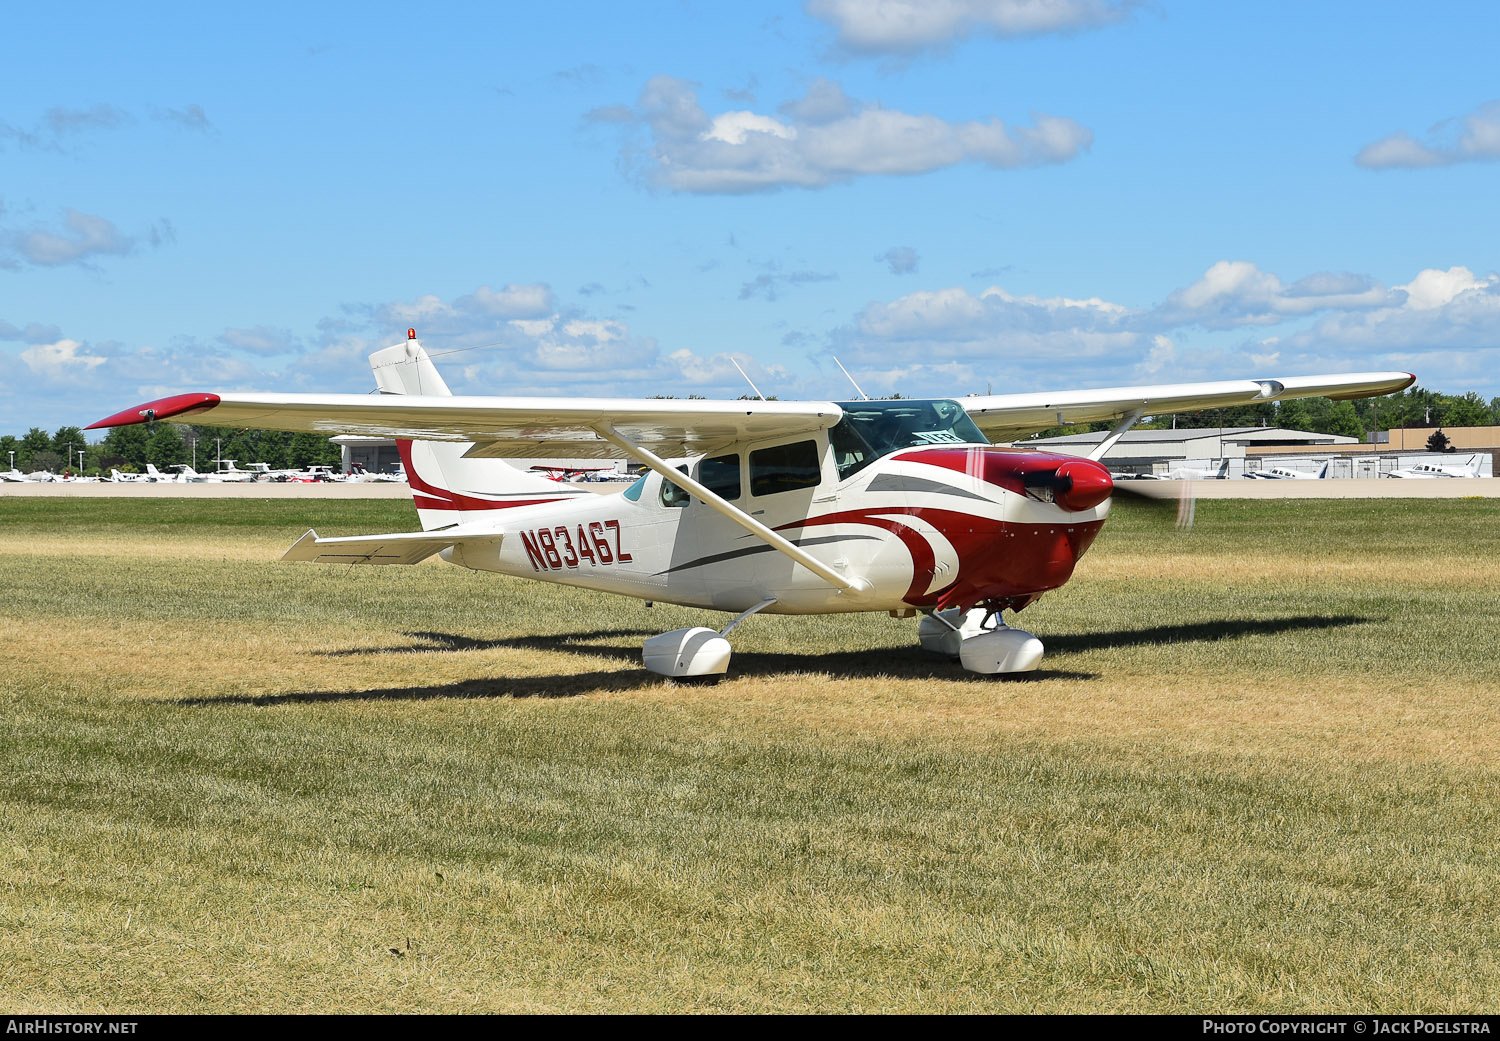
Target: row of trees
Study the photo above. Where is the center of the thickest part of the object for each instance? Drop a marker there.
(164, 444)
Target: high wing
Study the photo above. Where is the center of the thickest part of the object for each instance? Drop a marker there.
(1003, 417)
(576, 428)
(502, 427)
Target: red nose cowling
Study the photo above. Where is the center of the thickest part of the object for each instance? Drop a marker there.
(1011, 563)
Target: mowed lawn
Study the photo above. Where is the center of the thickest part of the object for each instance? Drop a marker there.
(1257, 771)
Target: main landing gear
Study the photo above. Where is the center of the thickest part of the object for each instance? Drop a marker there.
(698, 653)
(980, 641)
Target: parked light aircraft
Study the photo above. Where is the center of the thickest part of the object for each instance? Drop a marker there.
(569, 474)
(1435, 470)
(1286, 473)
(811, 507)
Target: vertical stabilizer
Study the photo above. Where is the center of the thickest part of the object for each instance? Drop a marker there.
(447, 488)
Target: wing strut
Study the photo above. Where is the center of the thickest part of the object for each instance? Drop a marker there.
(718, 504)
(1130, 420)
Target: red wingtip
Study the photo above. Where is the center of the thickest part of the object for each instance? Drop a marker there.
(161, 408)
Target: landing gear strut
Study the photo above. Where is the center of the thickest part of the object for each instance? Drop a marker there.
(980, 640)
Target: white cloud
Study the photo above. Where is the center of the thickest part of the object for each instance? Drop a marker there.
(483, 308)
(1436, 310)
(1332, 322)
(827, 139)
(1236, 292)
(904, 27)
(60, 360)
(731, 127)
(1471, 138)
(1433, 288)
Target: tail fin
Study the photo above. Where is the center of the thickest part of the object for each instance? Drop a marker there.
(447, 488)
(1323, 470)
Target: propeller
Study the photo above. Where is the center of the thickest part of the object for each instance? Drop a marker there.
(1162, 496)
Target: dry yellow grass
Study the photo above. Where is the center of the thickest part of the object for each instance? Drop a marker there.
(233, 784)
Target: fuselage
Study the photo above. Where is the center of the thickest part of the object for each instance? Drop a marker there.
(943, 519)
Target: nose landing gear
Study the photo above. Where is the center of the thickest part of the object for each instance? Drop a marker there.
(980, 640)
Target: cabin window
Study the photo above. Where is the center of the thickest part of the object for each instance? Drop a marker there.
(721, 475)
(672, 496)
(784, 468)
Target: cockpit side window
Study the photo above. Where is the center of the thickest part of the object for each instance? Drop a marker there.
(672, 496)
(850, 452)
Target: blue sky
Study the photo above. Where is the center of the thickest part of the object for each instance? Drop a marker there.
(615, 199)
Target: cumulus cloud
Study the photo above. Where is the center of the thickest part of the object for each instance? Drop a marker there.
(1471, 138)
(60, 360)
(902, 260)
(483, 307)
(822, 139)
(1438, 309)
(1236, 292)
(906, 27)
(955, 323)
(1334, 322)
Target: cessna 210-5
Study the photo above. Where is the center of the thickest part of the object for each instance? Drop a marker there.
(814, 507)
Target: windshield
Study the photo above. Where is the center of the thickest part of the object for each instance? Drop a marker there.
(871, 429)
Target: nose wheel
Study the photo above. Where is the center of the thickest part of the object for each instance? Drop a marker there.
(981, 641)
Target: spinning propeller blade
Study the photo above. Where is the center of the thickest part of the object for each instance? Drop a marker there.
(1182, 499)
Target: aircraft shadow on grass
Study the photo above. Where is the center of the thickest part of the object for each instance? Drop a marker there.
(895, 663)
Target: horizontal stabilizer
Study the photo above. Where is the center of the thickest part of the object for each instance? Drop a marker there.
(409, 547)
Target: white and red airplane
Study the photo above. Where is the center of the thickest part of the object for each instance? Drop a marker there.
(811, 507)
(569, 474)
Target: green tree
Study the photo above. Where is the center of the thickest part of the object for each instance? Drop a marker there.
(1467, 411)
(1292, 415)
(36, 440)
(1439, 442)
(125, 447)
(166, 447)
(1343, 420)
(8, 444)
(67, 443)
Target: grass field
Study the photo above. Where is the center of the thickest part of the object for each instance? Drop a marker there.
(1258, 771)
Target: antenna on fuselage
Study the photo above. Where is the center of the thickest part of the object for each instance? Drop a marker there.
(850, 378)
(747, 378)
